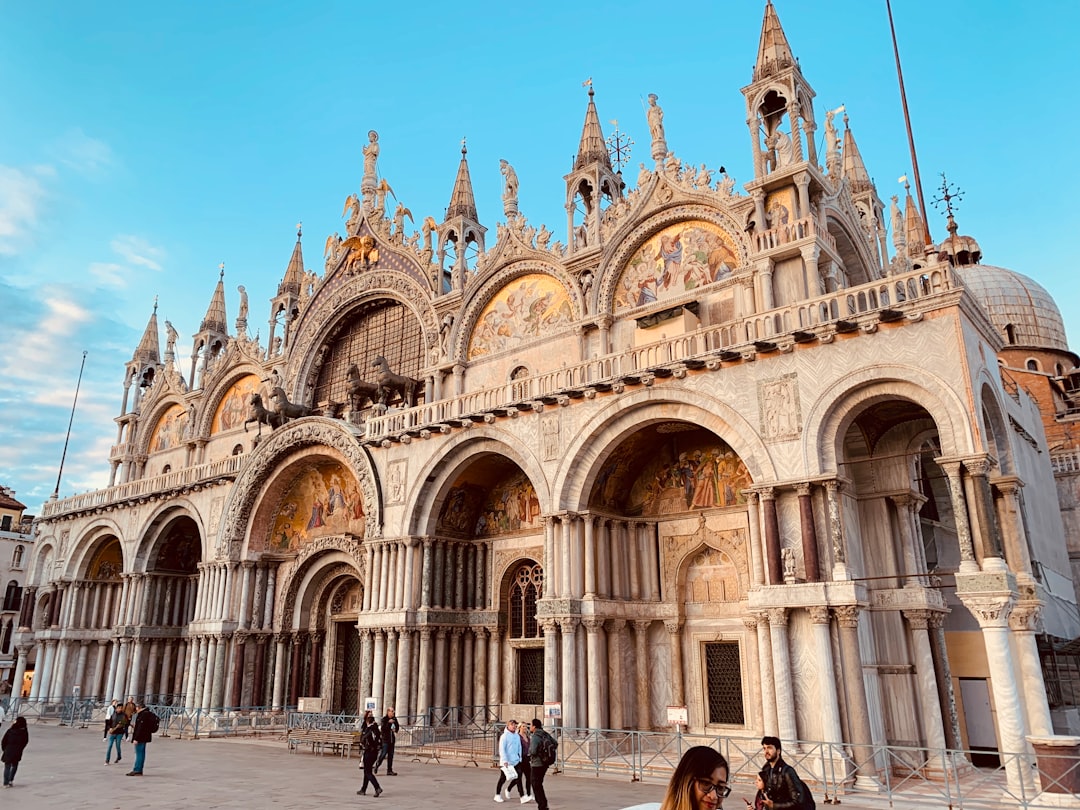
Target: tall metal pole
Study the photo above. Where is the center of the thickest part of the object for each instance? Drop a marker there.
(907, 123)
(71, 421)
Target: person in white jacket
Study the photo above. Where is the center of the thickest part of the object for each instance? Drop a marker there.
(510, 764)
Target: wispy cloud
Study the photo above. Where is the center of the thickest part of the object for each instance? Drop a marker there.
(109, 274)
(137, 251)
(21, 196)
(88, 156)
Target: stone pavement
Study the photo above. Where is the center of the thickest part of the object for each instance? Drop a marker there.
(64, 768)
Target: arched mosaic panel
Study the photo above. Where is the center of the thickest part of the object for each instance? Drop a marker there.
(323, 500)
(232, 410)
(529, 307)
(679, 258)
(107, 563)
(169, 430)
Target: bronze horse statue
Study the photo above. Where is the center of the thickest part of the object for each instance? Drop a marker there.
(284, 410)
(390, 384)
(258, 414)
(360, 390)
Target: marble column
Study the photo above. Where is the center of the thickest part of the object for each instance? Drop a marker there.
(135, 677)
(772, 537)
(378, 666)
(217, 696)
(97, 686)
(153, 664)
(568, 627)
(369, 578)
(1024, 621)
(388, 696)
(403, 700)
(440, 692)
(281, 645)
(907, 505)
(989, 531)
(20, 671)
(566, 582)
(641, 659)
(1017, 550)
(836, 530)
(467, 668)
(811, 567)
(495, 659)
(597, 666)
(80, 669)
(239, 652)
(952, 469)
(480, 695)
(926, 679)
(674, 629)
(206, 670)
(408, 599)
(829, 707)
(295, 663)
(121, 687)
(39, 672)
(552, 691)
(550, 578)
(425, 585)
(247, 574)
(753, 517)
(454, 668)
(59, 687)
(615, 687)
(781, 661)
(258, 675)
(858, 713)
(590, 556)
(427, 671)
(943, 674)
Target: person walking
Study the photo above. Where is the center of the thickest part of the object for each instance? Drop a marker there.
(146, 723)
(15, 739)
(110, 718)
(509, 760)
(388, 729)
(539, 743)
(784, 790)
(371, 743)
(117, 732)
(525, 768)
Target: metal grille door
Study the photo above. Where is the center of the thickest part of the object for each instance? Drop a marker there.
(723, 671)
(531, 676)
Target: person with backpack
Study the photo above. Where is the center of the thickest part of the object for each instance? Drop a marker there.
(543, 751)
(784, 790)
(371, 743)
(510, 764)
(143, 729)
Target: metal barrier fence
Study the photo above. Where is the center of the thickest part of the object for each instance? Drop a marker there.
(893, 776)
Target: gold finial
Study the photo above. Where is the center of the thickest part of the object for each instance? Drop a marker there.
(299, 228)
(221, 267)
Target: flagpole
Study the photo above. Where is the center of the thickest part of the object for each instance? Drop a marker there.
(907, 123)
(71, 421)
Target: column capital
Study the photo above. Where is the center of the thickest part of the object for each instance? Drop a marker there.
(778, 617)
(282, 638)
(750, 623)
(615, 625)
(425, 633)
(978, 466)
(642, 625)
(550, 626)
(241, 637)
(673, 626)
(847, 615)
(766, 493)
(1026, 616)
(569, 624)
(593, 624)
(819, 614)
(991, 611)
(918, 619)
(802, 488)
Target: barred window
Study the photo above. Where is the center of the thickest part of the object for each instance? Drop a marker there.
(527, 587)
(723, 673)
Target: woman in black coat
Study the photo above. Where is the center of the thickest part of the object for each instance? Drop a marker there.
(14, 741)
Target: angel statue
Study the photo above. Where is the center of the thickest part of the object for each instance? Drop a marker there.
(510, 189)
(399, 221)
(352, 203)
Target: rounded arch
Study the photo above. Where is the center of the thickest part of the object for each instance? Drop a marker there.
(851, 245)
(221, 389)
(586, 452)
(89, 543)
(630, 241)
(312, 579)
(339, 440)
(829, 416)
(41, 563)
(425, 505)
(148, 425)
(994, 429)
(156, 527)
(488, 287)
(324, 316)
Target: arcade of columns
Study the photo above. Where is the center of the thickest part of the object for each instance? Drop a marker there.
(593, 562)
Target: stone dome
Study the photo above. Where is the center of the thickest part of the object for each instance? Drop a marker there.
(1022, 310)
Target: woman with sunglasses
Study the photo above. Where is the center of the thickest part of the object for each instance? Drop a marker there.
(699, 781)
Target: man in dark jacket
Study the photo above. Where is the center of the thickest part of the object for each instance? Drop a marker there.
(141, 735)
(388, 728)
(15, 739)
(783, 789)
(536, 764)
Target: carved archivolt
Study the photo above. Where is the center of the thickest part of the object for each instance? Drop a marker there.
(213, 395)
(679, 548)
(325, 578)
(630, 242)
(338, 301)
(335, 435)
(496, 281)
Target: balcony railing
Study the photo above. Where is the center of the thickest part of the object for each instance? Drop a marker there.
(896, 293)
(1065, 461)
(176, 479)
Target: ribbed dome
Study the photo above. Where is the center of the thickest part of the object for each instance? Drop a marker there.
(1020, 308)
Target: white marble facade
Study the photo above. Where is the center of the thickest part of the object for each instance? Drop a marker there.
(802, 449)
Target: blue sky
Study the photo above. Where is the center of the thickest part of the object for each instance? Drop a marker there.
(142, 144)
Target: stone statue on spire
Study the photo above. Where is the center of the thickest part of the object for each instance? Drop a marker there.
(510, 189)
(371, 159)
(656, 128)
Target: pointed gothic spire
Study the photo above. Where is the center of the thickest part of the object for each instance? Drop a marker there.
(592, 148)
(774, 53)
(215, 319)
(148, 351)
(854, 170)
(462, 201)
(294, 273)
(914, 226)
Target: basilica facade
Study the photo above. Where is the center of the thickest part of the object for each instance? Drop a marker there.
(744, 452)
